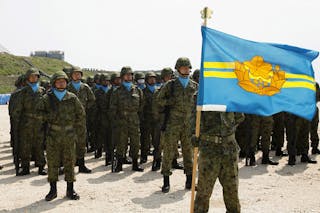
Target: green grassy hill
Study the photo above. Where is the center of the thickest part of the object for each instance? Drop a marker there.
(12, 66)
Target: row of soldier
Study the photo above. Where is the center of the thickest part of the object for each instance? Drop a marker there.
(114, 113)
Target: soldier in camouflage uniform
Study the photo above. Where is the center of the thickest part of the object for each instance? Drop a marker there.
(126, 104)
(148, 123)
(218, 159)
(196, 75)
(139, 79)
(298, 137)
(178, 96)
(87, 99)
(65, 117)
(314, 126)
(102, 119)
(260, 125)
(90, 82)
(28, 123)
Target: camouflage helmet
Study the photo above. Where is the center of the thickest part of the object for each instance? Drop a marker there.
(20, 80)
(32, 71)
(139, 75)
(105, 77)
(89, 79)
(114, 76)
(58, 75)
(96, 77)
(126, 70)
(76, 69)
(183, 62)
(166, 71)
(196, 74)
(150, 74)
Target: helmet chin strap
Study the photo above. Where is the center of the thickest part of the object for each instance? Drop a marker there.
(183, 75)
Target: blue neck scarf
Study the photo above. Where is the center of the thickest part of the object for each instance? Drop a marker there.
(141, 86)
(76, 85)
(184, 81)
(98, 86)
(127, 85)
(34, 86)
(59, 94)
(152, 88)
(104, 88)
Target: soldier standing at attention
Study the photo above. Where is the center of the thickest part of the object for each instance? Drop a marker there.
(65, 116)
(178, 96)
(26, 118)
(148, 123)
(87, 99)
(218, 159)
(126, 105)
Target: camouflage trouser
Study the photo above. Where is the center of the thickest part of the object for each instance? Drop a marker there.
(81, 145)
(126, 132)
(61, 147)
(314, 130)
(261, 126)
(92, 133)
(170, 144)
(243, 134)
(278, 130)
(299, 135)
(157, 143)
(212, 165)
(147, 138)
(31, 142)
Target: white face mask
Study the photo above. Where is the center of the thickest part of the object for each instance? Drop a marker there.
(140, 81)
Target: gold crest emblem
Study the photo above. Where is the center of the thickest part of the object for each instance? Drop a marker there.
(260, 77)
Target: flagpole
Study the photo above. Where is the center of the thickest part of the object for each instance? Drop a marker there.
(205, 15)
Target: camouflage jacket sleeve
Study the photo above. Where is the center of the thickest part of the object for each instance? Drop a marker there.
(80, 119)
(164, 98)
(141, 104)
(91, 98)
(113, 105)
(17, 109)
(238, 117)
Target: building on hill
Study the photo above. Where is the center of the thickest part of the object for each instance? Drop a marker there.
(57, 54)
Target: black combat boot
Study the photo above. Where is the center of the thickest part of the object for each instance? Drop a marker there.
(176, 165)
(143, 159)
(119, 165)
(135, 166)
(166, 184)
(188, 181)
(306, 159)
(98, 153)
(292, 160)
(25, 171)
(53, 191)
(42, 171)
(82, 167)
(251, 160)
(266, 160)
(315, 151)
(156, 165)
(71, 194)
(280, 153)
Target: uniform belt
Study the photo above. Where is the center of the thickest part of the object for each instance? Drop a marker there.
(30, 115)
(217, 139)
(60, 128)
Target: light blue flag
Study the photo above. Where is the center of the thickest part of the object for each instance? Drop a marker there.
(238, 75)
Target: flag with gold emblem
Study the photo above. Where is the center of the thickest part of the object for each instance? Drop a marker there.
(238, 75)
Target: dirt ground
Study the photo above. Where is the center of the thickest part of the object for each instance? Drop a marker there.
(262, 188)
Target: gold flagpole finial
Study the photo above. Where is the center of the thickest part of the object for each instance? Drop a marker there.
(205, 15)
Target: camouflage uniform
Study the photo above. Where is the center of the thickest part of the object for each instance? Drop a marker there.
(87, 99)
(26, 118)
(102, 119)
(278, 132)
(261, 125)
(148, 123)
(65, 117)
(127, 107)
(314, 126)
(218, 159)
(181, 103)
